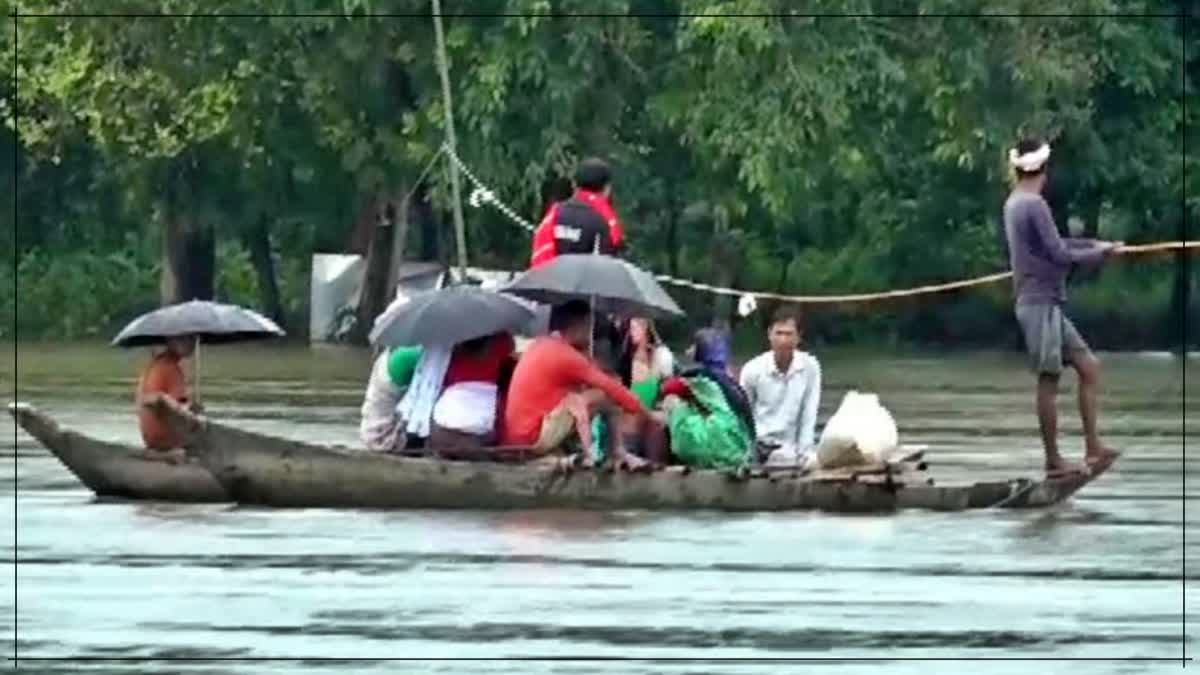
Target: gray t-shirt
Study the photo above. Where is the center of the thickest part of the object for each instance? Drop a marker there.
(1039, 257)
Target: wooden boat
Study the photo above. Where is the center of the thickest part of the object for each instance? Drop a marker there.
(117, 470)
(266, 470)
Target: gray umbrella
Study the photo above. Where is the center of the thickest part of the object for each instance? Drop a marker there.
(449, 316)
(614, 285)
(211, 322)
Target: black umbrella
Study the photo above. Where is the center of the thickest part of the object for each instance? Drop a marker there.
(448, 316)
(210, 322)
(613, 285)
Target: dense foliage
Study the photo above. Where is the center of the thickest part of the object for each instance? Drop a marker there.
(809, 154)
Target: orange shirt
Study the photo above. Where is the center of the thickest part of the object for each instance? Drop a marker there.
(549, 370)
(163, 375)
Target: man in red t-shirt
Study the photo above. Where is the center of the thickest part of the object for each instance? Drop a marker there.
(556, 389)
(585, 223)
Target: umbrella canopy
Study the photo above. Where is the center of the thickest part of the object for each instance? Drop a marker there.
(448, 316)
(616, 286)
(212, 322)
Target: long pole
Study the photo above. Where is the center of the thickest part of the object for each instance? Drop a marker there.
(444, 71)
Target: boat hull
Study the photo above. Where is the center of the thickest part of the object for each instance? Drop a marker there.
(266, 470)
(117, 470)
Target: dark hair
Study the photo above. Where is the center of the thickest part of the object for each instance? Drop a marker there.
(593, 174)
(624, 336)
(1027, 145)
(568, 314)
(788, 313)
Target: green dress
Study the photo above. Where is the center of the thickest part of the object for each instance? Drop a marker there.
(646, 392)
(717, 440)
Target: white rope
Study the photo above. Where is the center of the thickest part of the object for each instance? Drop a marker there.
(481, 195)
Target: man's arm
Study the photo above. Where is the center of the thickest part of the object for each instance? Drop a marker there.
(807, 424)
(1058, 248)
(578, 367)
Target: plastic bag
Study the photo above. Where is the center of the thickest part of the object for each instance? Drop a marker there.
(862, 431)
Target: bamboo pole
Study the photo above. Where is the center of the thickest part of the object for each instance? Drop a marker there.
(444, 70)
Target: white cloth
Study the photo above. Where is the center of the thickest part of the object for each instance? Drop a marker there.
(784, 403)
(467, 407)
(790, 455)
(380, 428)
(1030, 161)
(861, 432)
(663, 361)
(417, 405)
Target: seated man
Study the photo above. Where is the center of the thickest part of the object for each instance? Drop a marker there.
(783, 387)
(382, 429)
(164, 375)
(466, 411)
(556, 389)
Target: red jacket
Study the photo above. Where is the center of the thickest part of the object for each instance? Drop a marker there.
(549, 238)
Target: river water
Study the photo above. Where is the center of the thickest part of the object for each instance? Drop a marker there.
(1098, 577)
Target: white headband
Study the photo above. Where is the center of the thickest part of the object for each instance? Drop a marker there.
(1030, 161)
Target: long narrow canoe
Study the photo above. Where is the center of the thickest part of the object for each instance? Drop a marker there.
(271, 471)
(116, 470)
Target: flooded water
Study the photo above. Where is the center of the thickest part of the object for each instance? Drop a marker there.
(1098, 577)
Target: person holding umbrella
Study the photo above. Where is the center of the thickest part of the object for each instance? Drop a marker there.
(556, 389)
(182, 327)
(164, 375)
(465, 332)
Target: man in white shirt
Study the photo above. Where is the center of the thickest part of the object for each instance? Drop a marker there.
(784, 389)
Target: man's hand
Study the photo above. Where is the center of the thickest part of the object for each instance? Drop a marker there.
(1112, 248)
(196, 408)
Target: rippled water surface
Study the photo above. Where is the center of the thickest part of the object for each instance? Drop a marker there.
(1100, 576)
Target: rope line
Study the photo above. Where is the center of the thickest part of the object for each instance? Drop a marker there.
(481, 195)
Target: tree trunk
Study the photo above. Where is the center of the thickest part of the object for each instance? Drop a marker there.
(672, 231)
(374, 296)
(258, 243)
(1089, 211)
(403, 210)
(780, 285)
(427, 224)
(188, 248)
(726, 254)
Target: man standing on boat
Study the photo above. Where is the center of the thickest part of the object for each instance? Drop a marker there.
(1040, 260)
(585, 223)
(783, 387)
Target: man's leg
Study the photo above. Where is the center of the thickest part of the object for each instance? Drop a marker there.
(1042, 326)
(598, 403)
(1088, 368)
(1047, 412)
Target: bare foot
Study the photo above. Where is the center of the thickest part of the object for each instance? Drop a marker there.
(1099, 456)
(1061, 468)
(172, 456)
(632, 463)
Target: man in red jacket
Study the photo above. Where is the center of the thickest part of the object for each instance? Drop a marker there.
(585, 223)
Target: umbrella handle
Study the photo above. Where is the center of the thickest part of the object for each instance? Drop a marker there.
(196, 373)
